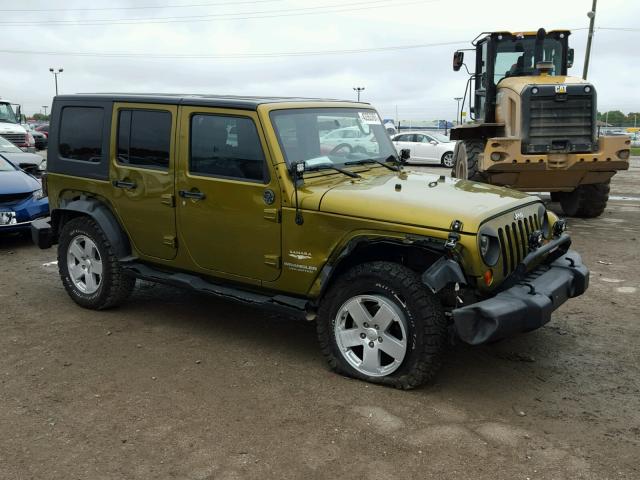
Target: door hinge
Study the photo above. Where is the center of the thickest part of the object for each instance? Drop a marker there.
(272, 260)
(272, 214)
(169, 240)
(168, 199)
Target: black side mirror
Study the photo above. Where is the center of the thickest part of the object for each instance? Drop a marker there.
(570, 57)
(458, 60)
(405, 154)
(297, 171)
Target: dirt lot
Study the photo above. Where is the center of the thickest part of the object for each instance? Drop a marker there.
(177, 385)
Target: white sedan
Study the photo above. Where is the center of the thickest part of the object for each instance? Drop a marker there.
(426, 147)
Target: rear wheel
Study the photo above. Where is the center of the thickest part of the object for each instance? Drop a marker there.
(466, 157)
(89, 269)
(586, 201)
(380, 324)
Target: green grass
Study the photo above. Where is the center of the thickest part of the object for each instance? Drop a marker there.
(635, 151)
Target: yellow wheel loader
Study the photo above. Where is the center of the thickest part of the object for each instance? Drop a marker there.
(534, 127)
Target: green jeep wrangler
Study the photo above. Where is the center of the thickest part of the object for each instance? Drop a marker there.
(298, 205)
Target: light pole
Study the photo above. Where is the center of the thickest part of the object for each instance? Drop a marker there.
(55, 75)
(457, 99)
(587, 55)
(45, 109)
(358, 90)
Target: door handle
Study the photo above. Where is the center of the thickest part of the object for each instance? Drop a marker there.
(124, 184)
(193, 195)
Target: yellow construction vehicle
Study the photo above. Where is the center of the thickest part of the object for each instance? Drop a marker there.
(534, 128)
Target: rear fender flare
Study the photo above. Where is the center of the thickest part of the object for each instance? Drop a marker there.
(102, 215)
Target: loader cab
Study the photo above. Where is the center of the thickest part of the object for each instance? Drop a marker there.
(502, 55)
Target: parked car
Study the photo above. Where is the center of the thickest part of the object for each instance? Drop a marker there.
(40, 138)
(44, 128)
(351, 139)
(426, 147)
(21, 198)
(29, 162)
(234, 197)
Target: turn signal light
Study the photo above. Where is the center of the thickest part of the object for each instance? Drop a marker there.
(488, 277)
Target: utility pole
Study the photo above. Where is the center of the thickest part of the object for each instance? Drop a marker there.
(45, 109)
(358, 90)
(457, 99)
(55, 75)
(587, 55)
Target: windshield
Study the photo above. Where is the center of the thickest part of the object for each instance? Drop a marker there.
(6, 166)
(343, 135)
(6, 114)
(7, 147)
(516, 57)
(440, 137)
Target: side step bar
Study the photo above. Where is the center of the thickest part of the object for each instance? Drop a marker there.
(283, 303)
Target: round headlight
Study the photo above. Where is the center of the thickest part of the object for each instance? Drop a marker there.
(534, 90)
(587, 89)
(543, 220)
(489, 249)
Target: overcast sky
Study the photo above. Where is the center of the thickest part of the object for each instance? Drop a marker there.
(418, 80)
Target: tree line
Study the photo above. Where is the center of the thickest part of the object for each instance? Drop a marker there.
(619, 119)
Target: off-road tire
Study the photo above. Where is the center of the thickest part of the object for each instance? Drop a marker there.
(466, 156)
(426, 330)
(586, 201)
(115, 285)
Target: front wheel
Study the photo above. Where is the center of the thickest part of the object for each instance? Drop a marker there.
(447, 160)
(380, 324)
(586, 201)
(466, 158)
(89, 269)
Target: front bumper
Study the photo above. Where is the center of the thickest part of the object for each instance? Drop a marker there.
(525, 306)
(552, 172)
(19, 217)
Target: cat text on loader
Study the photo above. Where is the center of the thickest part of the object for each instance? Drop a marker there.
(534, 127)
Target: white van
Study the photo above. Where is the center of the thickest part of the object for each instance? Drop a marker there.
(11, 129)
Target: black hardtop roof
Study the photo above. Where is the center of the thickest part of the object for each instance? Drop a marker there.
(232, 101)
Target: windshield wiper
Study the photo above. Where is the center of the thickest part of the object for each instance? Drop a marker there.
(390, 158)
(341, 170)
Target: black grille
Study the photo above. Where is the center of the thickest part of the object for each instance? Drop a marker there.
(560, 123)
(514, 241)
(15, 138)
(12, 198)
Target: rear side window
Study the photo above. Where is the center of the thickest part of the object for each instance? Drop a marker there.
(80, 135)
(144, 138)
(225, 146)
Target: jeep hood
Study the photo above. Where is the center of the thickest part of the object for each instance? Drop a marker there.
(420, 199)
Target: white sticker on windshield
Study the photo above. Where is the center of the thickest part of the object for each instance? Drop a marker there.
(370, 118)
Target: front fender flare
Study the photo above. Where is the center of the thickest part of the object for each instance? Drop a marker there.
(443, 272)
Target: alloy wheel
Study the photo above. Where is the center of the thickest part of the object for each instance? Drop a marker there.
(84, 264)
(371, 334)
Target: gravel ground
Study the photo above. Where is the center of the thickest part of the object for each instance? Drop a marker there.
(178, 385)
